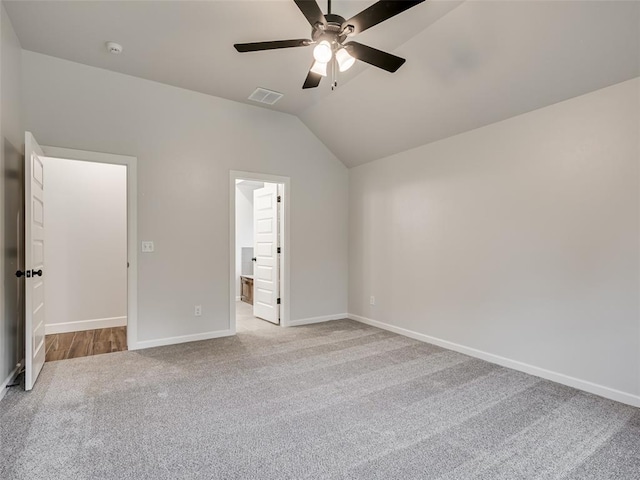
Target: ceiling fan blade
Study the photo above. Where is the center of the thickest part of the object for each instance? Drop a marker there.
(374, 57)
(257, 46)
(379, 12)
(312, 80)
(311, 11)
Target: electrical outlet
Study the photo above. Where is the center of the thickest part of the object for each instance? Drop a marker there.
(198, 311)
(372, 300)
(147, 247)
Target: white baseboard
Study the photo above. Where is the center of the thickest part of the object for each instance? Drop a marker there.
(161, 342)
(82, 325)
(238, 299)
(585, 385)
(9, 380)
(324, 318)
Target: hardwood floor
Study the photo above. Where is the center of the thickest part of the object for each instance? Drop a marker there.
(83, 344)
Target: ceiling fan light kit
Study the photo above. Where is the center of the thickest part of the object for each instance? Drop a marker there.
(329, 33)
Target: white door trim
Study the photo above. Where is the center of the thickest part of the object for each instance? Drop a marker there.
(132, 224)
(285, 304)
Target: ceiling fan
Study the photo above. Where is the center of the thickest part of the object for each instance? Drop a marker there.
(329, 33)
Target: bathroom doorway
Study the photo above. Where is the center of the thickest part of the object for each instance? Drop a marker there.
(259, 233)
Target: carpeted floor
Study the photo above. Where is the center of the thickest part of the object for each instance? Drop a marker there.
(338, 400)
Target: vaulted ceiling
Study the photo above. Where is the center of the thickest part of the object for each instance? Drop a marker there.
(469, 63)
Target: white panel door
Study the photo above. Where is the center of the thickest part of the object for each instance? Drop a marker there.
(34, 260)
(266, 288)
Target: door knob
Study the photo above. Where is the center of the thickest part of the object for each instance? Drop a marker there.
(36, 272)
(20, 273)
(254, 259)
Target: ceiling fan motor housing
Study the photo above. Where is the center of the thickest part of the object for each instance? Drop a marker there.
(333, 31)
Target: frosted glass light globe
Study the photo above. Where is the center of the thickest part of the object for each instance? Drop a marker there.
(322, 52)
(319, 68)
(345, 61)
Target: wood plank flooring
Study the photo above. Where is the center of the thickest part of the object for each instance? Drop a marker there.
(83, 344)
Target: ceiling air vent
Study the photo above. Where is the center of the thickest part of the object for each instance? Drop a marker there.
(263, 95)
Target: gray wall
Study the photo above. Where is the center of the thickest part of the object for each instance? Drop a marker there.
(11, 200)
(186, 144)
(519, 239)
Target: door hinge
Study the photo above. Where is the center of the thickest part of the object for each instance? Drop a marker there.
(278, 302)
(279, 198)
(279, 250)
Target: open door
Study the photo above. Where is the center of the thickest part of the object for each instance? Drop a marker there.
(266, 288)
(34, 260)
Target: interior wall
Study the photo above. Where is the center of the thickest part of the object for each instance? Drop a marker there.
(186, 144)
(519, 239)
(85, 245)
(11, 201)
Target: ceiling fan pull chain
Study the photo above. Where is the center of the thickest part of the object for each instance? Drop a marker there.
(334, 74)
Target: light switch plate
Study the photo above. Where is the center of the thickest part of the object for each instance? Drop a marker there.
(147, 247)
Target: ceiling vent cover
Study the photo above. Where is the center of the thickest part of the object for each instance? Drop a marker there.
(262, 95)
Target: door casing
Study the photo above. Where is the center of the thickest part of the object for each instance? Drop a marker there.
(132, 224)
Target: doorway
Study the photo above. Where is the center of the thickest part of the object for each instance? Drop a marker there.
(259, 234)
(130, 163)
(85, 235)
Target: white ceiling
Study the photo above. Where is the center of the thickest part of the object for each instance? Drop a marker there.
(468, 64)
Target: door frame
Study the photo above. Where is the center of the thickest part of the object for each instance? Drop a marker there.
(132, 223)
(285, 235)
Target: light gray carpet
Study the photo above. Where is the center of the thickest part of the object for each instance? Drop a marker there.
(338, 400)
